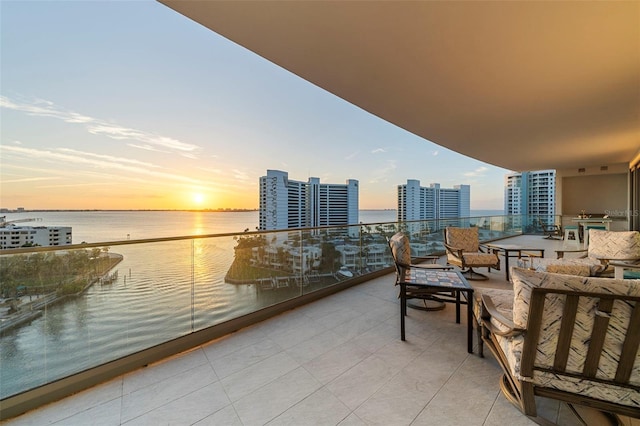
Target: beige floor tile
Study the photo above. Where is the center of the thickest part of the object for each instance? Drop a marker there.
(245, 357)
(224, 417)
(162, 370)
(187, 410)
(318, 409)
(335, 362)
(244, 382)
(271, 400)
(315, 347)
(363, 380)
(152, 397)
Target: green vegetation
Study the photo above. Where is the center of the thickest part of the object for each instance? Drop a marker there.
(62, 272)
(242, 268)
(256, 258)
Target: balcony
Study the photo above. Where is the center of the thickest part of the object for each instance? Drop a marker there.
(337, 359)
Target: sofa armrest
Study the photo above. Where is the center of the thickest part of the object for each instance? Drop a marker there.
(619, 268)
(493, 314)
(560, 253)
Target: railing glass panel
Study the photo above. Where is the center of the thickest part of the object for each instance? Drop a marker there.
(67, 309)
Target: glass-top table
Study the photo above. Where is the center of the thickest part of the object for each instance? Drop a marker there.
(443, 280)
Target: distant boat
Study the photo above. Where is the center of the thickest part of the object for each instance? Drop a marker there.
(345, 272)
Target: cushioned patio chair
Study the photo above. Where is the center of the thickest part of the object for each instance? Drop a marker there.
(464, 250)
(551, 231)
(401, 252)
(570, 338)
(604, 247)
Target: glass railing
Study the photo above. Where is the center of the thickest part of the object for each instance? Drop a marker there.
(65, 310)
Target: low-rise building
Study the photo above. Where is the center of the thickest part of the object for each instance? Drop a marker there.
(15, 236)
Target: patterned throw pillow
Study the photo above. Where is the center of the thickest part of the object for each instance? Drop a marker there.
(619, 245)
(525, 280)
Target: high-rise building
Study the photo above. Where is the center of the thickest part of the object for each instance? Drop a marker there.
(417, 202)
(286, 203)
(531, 194)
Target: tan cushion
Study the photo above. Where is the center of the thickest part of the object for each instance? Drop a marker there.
(480, 259)
(463, 238)
(400, 248)
(583, 267)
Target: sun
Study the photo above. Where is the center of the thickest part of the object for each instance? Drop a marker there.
(198, 198)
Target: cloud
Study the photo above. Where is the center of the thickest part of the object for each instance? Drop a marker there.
(477, 172)
(435, 153)
(378, 151)
(239, 174)
(44, 108)
(382, 174)
(147, 148)
(96, 161)
(34, 179)
(351, 156)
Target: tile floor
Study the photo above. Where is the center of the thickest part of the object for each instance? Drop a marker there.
(337, 361)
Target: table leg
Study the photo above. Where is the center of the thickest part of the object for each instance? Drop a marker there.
(403, 307)
(470, 302)
(506, 264)
(457, 306)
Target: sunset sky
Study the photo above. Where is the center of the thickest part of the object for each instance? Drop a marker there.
(129, 105)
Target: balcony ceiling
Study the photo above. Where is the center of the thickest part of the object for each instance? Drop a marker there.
(521, 85)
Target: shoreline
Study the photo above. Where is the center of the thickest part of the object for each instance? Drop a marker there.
(29, 311)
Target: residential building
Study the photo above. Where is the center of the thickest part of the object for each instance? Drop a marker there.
(417, 202)
(531, 195)
(14, 236)
(287, 204)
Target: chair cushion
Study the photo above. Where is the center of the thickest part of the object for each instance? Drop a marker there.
(401, 249)
(618, 245)
(480, 259)
(463, 238)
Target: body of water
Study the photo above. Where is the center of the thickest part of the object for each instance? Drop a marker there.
(164, 290)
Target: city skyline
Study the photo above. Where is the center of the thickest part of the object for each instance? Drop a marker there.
(129, 105)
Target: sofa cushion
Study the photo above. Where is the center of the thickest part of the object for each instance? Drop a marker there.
(525, 280)
(618, 245)
(583, 267)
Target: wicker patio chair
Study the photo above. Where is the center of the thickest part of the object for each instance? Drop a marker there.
(464, 250)
(401, 253)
